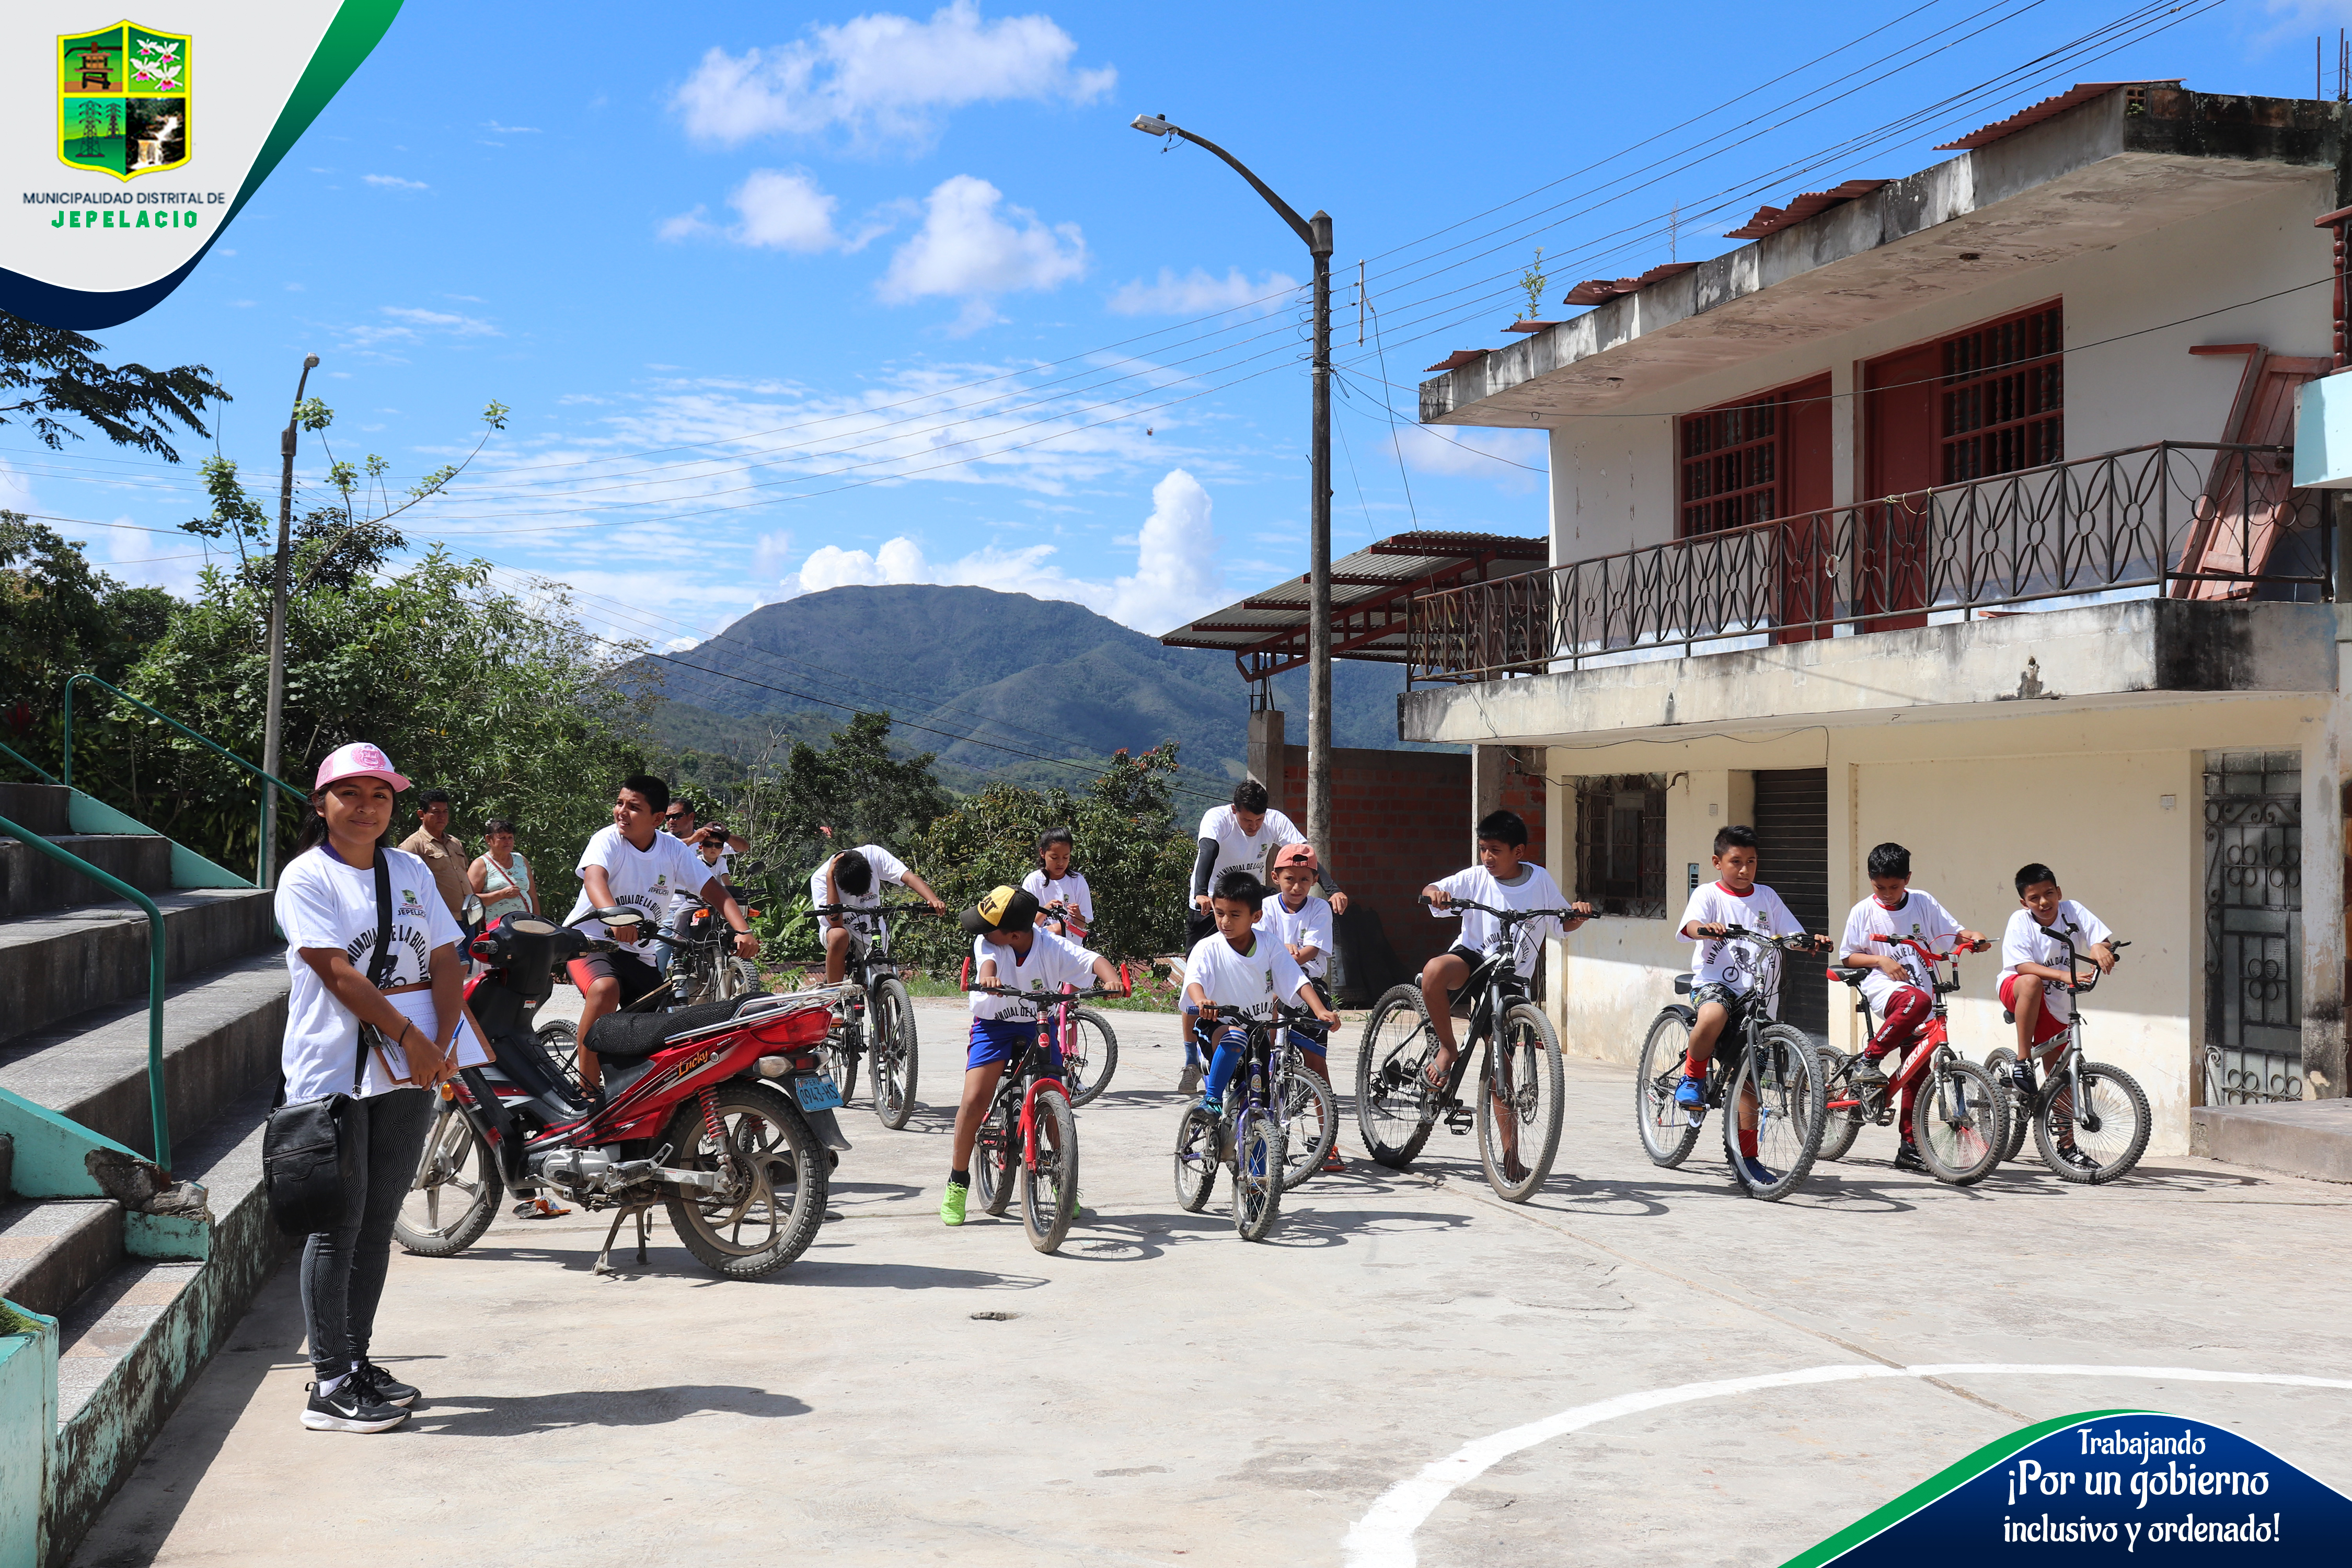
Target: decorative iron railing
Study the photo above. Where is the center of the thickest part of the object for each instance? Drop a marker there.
(2176, 518)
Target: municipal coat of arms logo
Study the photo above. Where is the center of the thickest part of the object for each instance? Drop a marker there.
(123, 100)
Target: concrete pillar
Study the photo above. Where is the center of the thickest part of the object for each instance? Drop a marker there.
(1488, 766)
(2323, 908)
(1265, 750)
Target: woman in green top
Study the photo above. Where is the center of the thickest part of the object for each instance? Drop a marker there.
(502, 878)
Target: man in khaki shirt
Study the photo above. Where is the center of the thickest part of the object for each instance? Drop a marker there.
(441, 850)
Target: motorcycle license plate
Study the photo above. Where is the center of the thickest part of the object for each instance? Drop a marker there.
(818, 1092)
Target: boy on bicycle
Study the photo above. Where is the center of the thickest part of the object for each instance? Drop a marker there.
(2032, 984)
(1301, 923)
(1237, 968)
(1010, 948)
(1500, 880)
(1731, 973)
(1896, 982)
(852, 877)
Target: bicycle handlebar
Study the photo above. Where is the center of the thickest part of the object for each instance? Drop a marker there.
(1802, 942)
(1046, 998)
(911, 909)
(1924, 951)
(1576, 912)
(2065, 935)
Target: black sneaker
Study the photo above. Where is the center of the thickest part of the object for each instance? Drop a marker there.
(1906, 1158)
(388, 1388)
(353, 1408)
(2076, 1158)
(1868, 1073)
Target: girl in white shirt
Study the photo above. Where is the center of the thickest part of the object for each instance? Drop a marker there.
(1065, 903)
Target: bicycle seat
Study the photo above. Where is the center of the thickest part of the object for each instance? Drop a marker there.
(1683, 983)
(632, 1036)
(1849, 976)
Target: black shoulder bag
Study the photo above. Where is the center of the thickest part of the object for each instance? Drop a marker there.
(307, 1155)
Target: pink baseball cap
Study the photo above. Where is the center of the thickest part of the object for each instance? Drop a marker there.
(358, 760)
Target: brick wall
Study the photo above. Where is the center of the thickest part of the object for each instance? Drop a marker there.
(1400, 820)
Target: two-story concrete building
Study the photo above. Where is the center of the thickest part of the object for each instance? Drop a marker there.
(1957, 510)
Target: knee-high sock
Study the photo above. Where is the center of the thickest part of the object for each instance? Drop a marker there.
(1228, 1061)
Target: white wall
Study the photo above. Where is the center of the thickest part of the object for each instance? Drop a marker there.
(1614, 478)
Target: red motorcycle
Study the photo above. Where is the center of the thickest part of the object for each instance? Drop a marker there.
(706, 1110)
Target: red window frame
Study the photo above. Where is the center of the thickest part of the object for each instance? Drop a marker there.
(1732, 465)
(2001, 403)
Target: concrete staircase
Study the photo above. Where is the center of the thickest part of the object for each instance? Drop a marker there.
(138, 1290)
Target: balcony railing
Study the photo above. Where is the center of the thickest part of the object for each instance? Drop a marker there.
(2181, 519)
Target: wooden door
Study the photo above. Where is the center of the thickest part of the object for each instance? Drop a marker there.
(2250, 500)
(1808, 544)
(1899, 465)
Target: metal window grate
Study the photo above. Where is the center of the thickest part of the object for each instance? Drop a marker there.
(2002, 399)
(1621, 845)
(1731, 467)
(2253, 927)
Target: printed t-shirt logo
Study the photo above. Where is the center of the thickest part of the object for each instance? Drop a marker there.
(123, 100)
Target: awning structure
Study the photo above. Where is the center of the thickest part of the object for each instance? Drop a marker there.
(1371, 600)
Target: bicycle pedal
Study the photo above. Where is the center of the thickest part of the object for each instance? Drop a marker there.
(1458, 1120)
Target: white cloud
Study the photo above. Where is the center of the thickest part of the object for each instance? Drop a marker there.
(1467, 453)
(408, 324)
(783, 210)
(1197, 292)
(511, 130)
(394, 183)
(830, 566)
(688, 224)
(966, 251)
(884, 78)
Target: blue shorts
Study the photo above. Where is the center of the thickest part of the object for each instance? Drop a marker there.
(995, 1040)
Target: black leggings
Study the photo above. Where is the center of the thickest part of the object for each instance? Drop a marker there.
(343, 1268)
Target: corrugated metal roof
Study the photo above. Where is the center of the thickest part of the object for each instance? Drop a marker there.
(1772, 220)
(1371, 597)
(1599, 290)
(1459, 358)
(2049, 108)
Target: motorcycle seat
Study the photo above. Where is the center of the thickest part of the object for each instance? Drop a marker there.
(632, 1036)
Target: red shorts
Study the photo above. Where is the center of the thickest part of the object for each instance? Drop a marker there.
(2045, 1027)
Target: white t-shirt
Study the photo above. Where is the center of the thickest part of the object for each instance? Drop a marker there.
(1742, 966)
(679, 895)
(323, 903)
(889, 872)
(1248, 982)
(1070, 888)
(1533, 890)
(1235, 848)
(2024, 941)
(1921, 916)
(643, 880)
(1051, 963)
(1307, 926)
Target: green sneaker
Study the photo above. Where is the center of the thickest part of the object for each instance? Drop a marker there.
(951, 1203)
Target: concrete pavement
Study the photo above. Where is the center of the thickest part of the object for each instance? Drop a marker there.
(1161, 1391)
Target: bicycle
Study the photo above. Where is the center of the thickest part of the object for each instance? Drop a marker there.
(2098, 1101)
(893, 1043)
(1957, 1120)
(1032, 1118)
(1309, 1110)
(1090, 1047)
(1770, 1065)
(1521, 1108)
(1251, 1136)
(705, 959)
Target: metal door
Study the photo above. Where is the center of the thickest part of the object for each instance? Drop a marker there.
(1793, 840)
(2253, 927)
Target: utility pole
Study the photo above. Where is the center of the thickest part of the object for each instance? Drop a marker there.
(1317, 234)
(273, 724)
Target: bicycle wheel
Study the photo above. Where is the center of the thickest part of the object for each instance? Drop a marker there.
(1668, 1132)
(893, 1016)
(1784, 1075)
(842, 1045)
(1310, 1122)
(1957, 1123)
(1196, 1159)
(740, 977)
(2110, 1128)
(1395, 1107)
(2015, 1115)
(445, 1211)
(1089, 1056)
(768, 1212)
(997, 1159)
(1521, 1108)
(1844, 1123)
(1049, 1171)
(1258, 1172)
(560, 1040)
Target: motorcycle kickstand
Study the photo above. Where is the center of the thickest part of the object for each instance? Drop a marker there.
(604, 1255)
(644, 1223)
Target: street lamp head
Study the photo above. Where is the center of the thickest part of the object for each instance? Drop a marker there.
(1152, 125)
(309, 362)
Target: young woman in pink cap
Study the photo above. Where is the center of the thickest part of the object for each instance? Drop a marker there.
(328, 905)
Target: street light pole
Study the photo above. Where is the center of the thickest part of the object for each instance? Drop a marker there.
(1317, 234)
(273, 723)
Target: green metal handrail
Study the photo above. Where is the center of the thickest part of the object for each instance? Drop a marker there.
(155, 952)
(261, 845)
(28, 762)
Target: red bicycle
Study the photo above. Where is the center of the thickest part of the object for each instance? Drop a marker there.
(1958, 1119)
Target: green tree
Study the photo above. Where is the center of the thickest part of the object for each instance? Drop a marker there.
(62, 382)
(852, 792)
(60, 615)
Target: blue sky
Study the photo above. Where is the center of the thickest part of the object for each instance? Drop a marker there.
(788, 297)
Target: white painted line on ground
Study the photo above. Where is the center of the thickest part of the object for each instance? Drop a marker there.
(1383, 1537)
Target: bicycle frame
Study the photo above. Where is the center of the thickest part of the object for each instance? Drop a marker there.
(2064, 1049)
(1494, 986)
(1934, 1040)
(1024, 1075)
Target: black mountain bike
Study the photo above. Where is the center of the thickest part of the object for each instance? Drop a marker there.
(1521, 1108)
(1253, 1137)
(2090, 1119)
(1772, 1066)
(880, 1020)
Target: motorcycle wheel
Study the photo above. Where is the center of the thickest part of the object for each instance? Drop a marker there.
(445, 1213)
(771, 1213)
